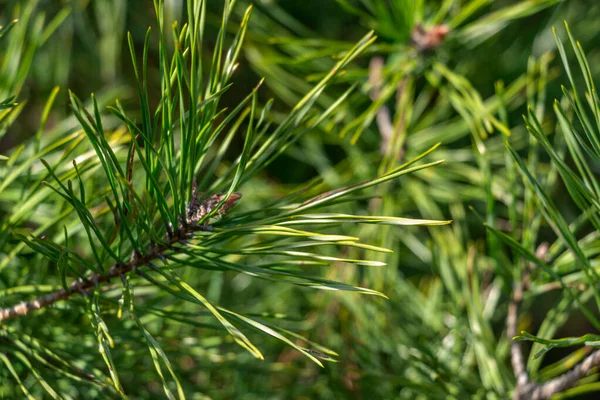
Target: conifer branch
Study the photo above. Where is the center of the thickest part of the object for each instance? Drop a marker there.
(383, 118)
(81, 285)
(561, 383)
(525, 388)
(516, 354)
(197, 210)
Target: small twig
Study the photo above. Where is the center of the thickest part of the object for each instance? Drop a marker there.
(196, 211)
(548, 287)
(516, 355)
(82, 285)
(424, 39)
(383, 117)
(400, 124)
(546, 390)
(525, 389)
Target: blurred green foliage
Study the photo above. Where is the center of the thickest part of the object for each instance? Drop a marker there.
(441, 333)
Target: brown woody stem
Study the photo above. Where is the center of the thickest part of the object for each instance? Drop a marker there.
(82, 285)
(525, 389)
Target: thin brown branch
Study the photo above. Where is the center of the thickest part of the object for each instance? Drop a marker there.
(516, 355)
(525, 389)
(388, 131)
(82, 285)
(548, 287)
(383, 117)
(566, 381)
(197, 210)
(399, 127)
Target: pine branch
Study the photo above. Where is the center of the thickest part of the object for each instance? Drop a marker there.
(197, 210)
(383, 118)
(566, 381)
(516, 354)
(539, 391)
(525, 388)
(80, 286)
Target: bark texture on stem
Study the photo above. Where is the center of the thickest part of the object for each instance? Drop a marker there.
(80, 286)
(197, 210)
(525, 389)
